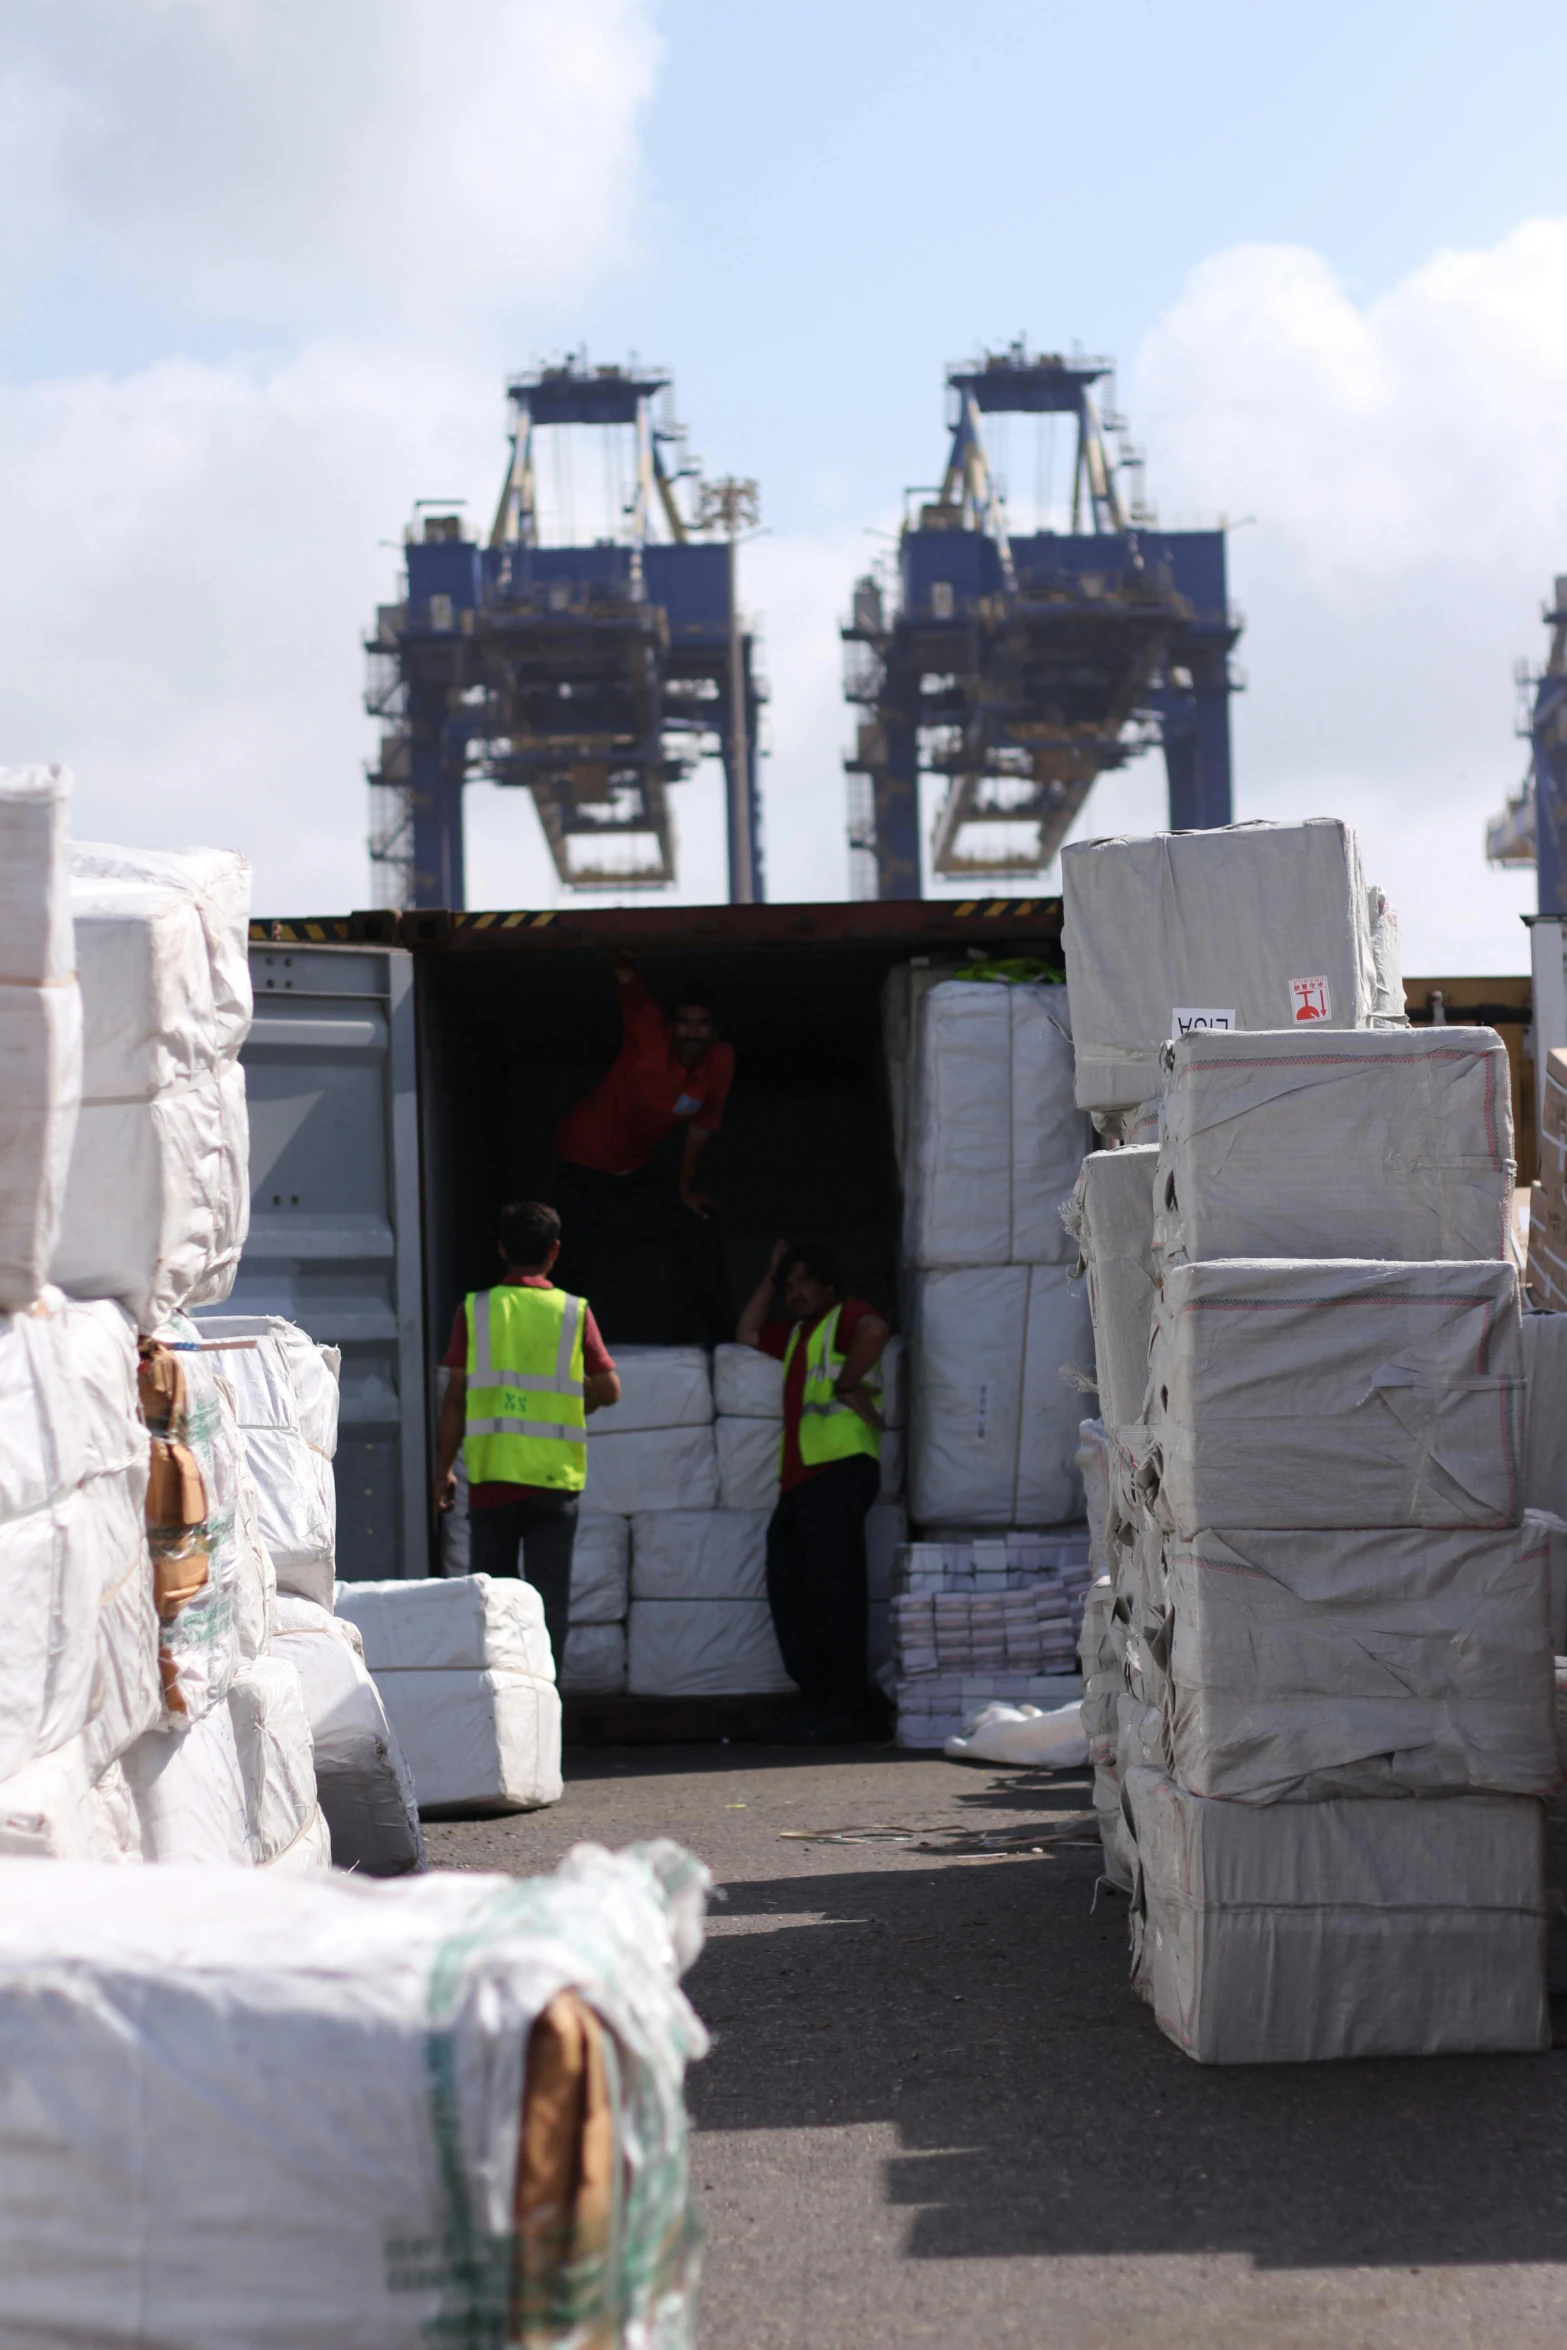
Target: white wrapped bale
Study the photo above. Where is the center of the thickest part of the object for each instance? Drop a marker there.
(54, 1809)
(40, 1098)
(277, 1766)
(747, 1452)
(1355, 1663)
(652, 1469)
(993, 1423)
(747, 1385)
(1336, 1394)
(660, 1387)
(463, 1623)
(1257, 926)
(286, 1394)
(699, 1554)
(189, 1793)
(1395, 1144)
(255, 1581)
(476, 1740)
(1321, 1930)
(703, 1648)
(1111, 1217)
(600, 1570)
(157, 1203)
(1545, 1369)
(595, 1663)
(363, 1785)
(36, 945)
(995, 1137)
(309, 2016)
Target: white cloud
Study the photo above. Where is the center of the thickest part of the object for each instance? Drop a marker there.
(1405, 464)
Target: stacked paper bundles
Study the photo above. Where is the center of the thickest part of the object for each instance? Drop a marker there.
(1335, 1600)
(400, 2053)
(40, 1026)
(1548, 1198)
(979, 1619)
(1261, 926)
(994, 1142)
(157, 1203)
(464, 1669)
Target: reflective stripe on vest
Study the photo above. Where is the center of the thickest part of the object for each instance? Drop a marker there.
(525, 1423)
(830, 1429)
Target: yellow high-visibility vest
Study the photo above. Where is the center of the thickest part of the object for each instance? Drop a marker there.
(526, 1423)
(830, 1429)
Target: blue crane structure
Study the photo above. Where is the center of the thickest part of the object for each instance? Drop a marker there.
(594, 676)
(1022, 667)
(1532, 828)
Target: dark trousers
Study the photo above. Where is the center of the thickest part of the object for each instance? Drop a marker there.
(816, 1581)
(544, 1527)
(650, 1201)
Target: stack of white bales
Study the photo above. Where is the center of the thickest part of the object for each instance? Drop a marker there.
(1336, 1607)
(651, 1456)
(994, 1142)
(463, 1666)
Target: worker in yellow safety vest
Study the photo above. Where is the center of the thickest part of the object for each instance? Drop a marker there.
(829, 1473)
(525, 1366)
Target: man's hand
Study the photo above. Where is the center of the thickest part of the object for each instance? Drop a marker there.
(701, 1203)
(622, 966)
(446, 1490)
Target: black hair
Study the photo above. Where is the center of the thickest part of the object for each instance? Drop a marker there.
(528, 1231)
(698, 995)
(813, 1258)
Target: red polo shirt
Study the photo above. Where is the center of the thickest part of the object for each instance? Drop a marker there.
(617, 1126)
(773, 1339)
(595, 1357)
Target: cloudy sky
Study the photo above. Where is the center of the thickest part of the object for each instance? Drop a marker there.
(266, 265)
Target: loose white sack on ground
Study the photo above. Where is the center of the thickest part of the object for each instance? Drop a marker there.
(993, 1426)
(1317, 1930)
(747, 1385)
(40, 1099)
(363, 1784)
(699, 1554)
(1336, 1393)
(1022, 1734)
(1255, 926)
(652, 1469)
(276, 1760)
(1361, 1663)
(660, 1387)
(190, 1793)
(703, 1648)
(36, 943)
(600, 1569)
(309, 2016)
(1395, 1144)
(1111, 1217)
(465, 1623)
(595, 1663)
(476, 1740)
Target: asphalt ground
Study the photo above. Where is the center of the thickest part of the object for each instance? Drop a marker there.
(934, 2113)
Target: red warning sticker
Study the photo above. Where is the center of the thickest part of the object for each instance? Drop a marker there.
(1310, 1000)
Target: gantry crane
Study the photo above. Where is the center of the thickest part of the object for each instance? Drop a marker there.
(1021, 667)
(592, 674)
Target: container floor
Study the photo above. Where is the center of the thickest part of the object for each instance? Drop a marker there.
(933, 2113)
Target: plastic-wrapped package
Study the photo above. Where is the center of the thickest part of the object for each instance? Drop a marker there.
(600, 1570)
(652, 1469)
(1361, 1663)
(595, 1663)
(747, 1385)
(216, 882)
(189, 1793)
(51, 1810)
(387, 2087)
(464, 1623)
(660, 1387)
(1396, 1144)
(993, 1423)
(255, 1582)
(192, 1518)
(40, 1025)
(1318, 1930)
(1336, 1393)
(277, 1766)
(37, 948)
(1111, 1217)
(481, 1740)
(1255, 926)
(994, 1135)
(699, 1554)
(703, 1648)
(286, 1392)
(363, 1785)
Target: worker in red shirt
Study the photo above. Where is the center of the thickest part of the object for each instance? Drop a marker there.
(672, 1070)
(525, 1365)
(829, 1475)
